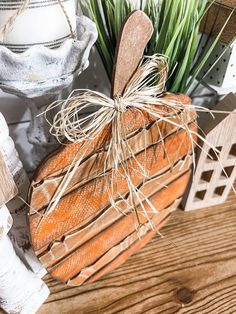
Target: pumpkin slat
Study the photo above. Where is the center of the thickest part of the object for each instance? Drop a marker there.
(74, 240)
(138, 245)
(99, 245)
(41, 192)
(119, 253)
(80, 206)
(61, 159)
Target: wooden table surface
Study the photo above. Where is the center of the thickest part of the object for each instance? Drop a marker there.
(191, 270)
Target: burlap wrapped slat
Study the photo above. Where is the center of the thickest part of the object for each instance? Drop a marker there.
(133, 248)
(154, 133)
(133, 120)
(88, 253)
(81, 205)
(119, 253)
(75, 239)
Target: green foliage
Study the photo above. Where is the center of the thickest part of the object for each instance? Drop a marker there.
(176, 34)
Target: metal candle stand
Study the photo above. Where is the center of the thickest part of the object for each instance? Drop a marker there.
(38, 76)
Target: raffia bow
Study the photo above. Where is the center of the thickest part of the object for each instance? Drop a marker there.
(141, 93)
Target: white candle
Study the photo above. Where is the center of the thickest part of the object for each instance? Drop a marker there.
(41, 22)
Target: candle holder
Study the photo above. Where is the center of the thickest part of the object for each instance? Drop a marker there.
(40, 74)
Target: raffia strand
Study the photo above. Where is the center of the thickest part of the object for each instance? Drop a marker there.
(141, 94)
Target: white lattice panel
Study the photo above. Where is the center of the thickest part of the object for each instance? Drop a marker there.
(215, 172)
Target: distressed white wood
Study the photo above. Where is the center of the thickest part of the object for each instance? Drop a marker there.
(213, 179)
(8, 188)
(18, 209)
(20, 290)
(5, 221)
(7, 148)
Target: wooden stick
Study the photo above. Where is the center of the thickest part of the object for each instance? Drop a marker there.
(135, 34)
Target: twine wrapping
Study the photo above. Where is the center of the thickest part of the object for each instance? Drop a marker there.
(21, 9)
(12, 19)
(141, 93)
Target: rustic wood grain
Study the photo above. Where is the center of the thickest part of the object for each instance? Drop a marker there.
(134, 36)
(214, 20)
(8, 188)
(212, 181)
(191, 270)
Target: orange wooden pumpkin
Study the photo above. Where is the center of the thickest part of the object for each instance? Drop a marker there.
(84, 236)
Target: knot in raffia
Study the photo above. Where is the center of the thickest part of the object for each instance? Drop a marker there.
(119, 104)
(144, 93)
(144, 90)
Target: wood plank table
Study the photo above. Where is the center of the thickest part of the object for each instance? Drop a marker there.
(192, 269)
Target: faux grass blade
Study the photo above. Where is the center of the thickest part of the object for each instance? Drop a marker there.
(176, 28)
(206, 55)
(103, 43)
(211, 67)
